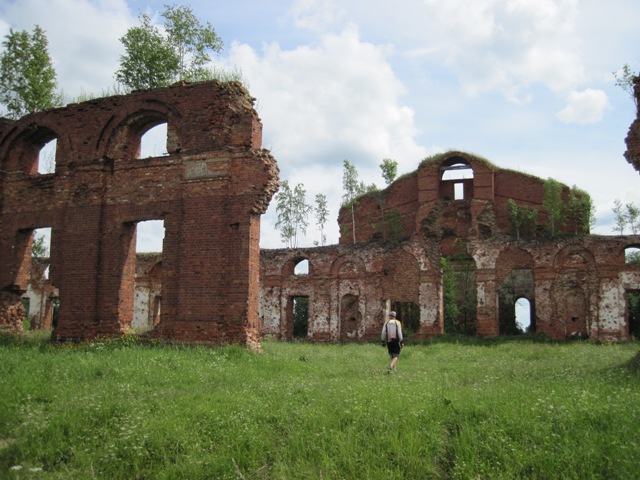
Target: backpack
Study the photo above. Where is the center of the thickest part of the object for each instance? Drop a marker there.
(395, 332)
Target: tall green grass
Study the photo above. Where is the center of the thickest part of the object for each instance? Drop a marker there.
(467, 410)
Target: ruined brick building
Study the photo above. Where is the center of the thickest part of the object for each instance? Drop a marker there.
(213, 282)
(576, 285)
(210, 191)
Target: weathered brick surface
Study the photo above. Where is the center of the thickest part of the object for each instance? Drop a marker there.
(210, 191)
(633, 137)
(576, 286)
(345, 282)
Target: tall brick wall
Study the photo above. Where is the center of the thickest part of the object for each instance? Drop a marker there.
(210, 190)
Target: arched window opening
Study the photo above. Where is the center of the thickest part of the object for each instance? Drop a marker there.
(523, 315)
(300, 310)
(456, 181)
(302, 267)
(632, 256)
(457, 171)
(154, 142)
(47, 157)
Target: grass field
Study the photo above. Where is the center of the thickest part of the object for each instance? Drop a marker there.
(456, 409)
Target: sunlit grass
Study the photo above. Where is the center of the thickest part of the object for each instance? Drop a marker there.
(474, 409)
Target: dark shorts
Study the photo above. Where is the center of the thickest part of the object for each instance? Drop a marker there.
(394, 348)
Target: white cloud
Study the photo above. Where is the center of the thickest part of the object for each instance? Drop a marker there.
(339, 99)
(322, 104)
(314, 15)
(587, 106)
(83, 38)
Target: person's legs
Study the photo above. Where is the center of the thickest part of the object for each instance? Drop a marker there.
(394, 352)
(394, 360)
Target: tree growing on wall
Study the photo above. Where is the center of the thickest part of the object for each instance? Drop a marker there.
(620, 217)
(633, 218)
(524, 219)
(580, 211)
(626, 216)
(352, 189)
(625, 79)
(322, 214)
(293, 212)
(552, 202)
(389, 170)
(153, 59)
(390, 224)
(27, 77)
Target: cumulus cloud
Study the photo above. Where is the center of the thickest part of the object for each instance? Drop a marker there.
(324, 103)
(507, 46)
(335, 100)
(587, 106)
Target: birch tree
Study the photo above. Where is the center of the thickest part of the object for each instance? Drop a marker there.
(27, 77)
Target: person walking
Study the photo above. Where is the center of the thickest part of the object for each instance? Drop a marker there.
(391, 336)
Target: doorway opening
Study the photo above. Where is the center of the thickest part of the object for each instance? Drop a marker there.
(300, 313)
(633, 313)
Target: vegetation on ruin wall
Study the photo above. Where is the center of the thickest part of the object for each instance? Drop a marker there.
(475, 409)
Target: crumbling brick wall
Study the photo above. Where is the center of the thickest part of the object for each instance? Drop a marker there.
(576, 285)
(210, 191)
(363, 279)
(633, 137)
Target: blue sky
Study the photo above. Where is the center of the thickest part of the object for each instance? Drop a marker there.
(527, 84)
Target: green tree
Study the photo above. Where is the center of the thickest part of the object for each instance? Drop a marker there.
(524, 219)
(390, 221)
(627, 216)
(389, 170)
(625, 79)
(293, 212)
(515, 216)
(149, 61)
(620, 217)
(633, 217)
(580, 210)
(352, 189)
(190, 40)
(552, 202)
(39, 247)
(27, 77)
(632, 256)
(322, 214)
(155, 60)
